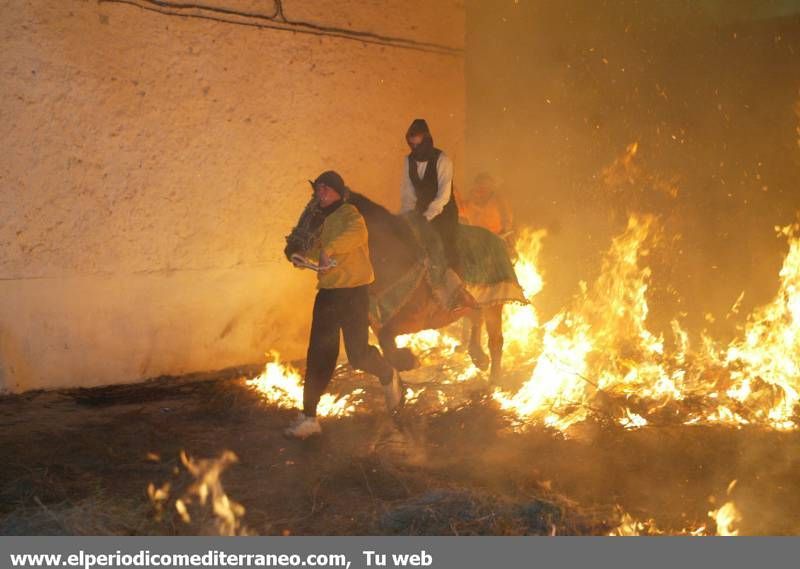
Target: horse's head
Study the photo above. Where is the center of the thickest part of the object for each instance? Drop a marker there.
(306, 231)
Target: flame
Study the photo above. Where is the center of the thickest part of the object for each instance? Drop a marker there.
(727, 517)
(158, 497)
(520, 322)
(628, 526)
(556, 383)
(602, 345)
(770, 349)
(603, 336)
(626, 176)
(624, 170)
(425, 342)
(632, 420)
(281, 385)
(206, 485)
(598, 357)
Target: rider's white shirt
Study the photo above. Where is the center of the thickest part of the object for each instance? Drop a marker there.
(408, 197)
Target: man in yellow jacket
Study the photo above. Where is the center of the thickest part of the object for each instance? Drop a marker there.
(342, 304)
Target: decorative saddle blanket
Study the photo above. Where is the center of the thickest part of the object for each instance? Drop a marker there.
(489, 276)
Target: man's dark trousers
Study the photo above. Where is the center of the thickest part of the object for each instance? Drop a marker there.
(335, 309)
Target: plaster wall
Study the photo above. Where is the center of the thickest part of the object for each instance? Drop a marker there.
(153, 164)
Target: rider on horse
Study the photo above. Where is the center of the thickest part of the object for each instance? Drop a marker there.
(427, 187)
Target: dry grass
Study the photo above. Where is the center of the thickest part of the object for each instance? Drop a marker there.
(96, 515)
(80, 463)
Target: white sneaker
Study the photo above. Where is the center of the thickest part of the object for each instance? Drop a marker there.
(394, 391)
(303, 427)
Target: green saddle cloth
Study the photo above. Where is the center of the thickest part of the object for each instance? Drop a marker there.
(484, 257)
(484, 261)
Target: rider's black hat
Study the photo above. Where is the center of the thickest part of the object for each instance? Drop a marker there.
(418, 126)
(332, 180)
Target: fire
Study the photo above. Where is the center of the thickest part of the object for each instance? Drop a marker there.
(557, 386)
(425, 342)
(207, 484)
(769, 353)
(521, 323)
(602, 345)
(727, 517)
(602, 336)
(632, 420)
(206, 487)
(628, 526)
(598, 357)
(281, 385)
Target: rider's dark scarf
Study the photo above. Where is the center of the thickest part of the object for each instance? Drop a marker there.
(424, 150)
(326, 211)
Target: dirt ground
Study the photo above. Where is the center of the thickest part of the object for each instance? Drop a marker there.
(80, 462)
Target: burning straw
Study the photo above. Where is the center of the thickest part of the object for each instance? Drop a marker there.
(597, 358)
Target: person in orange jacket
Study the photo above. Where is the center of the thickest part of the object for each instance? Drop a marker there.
(485, 208)
(341, 305)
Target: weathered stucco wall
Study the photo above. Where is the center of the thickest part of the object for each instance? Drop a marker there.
(153, 164)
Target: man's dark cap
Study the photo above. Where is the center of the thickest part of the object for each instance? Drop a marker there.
(419, 126)
(331, 179)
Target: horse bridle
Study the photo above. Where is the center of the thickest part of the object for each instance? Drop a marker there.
(307, 229)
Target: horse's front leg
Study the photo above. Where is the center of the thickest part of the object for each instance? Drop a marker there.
(476, 353)
(494, 329)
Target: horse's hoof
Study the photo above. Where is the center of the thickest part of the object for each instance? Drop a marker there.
(404, 360)
(480, 360)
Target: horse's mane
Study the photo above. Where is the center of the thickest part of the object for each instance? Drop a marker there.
(378, 216)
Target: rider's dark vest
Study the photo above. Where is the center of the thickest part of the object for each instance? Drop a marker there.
(427, 187)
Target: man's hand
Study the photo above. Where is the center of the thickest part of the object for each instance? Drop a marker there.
(298, 261)
(325, 263)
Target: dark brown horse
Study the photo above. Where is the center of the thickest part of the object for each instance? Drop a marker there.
(397, 256)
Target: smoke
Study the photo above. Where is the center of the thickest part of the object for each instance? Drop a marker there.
(557, 95)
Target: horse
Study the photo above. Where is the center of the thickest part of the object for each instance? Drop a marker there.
(407, 296)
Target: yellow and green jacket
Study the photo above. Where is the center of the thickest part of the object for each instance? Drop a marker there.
(344, 239)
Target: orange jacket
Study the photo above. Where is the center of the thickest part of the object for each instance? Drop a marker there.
(491, 213)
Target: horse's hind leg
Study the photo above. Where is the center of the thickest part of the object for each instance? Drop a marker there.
(494, 328)
(476, 353)
(402, 359)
